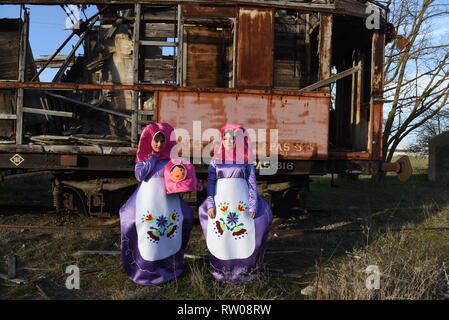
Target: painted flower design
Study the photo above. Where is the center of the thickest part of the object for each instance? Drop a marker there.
(173, 216)
(241, 207)
(232, 218)
(148, 217)
(161, 221)
(224, 208)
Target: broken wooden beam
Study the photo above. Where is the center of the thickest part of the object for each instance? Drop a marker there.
(331, 79)
(16, 281)
(81, 103)
(48, 112)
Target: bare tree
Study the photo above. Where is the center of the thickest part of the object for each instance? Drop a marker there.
(437, 125)
(416, 69)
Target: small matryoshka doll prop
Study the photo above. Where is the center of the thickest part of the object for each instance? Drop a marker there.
(180, 176)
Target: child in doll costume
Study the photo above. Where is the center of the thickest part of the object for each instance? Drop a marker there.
(155, 226)
(235, 219)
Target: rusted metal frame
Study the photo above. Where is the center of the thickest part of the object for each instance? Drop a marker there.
(21, 74)
(65, 149)
(25, 175)
(349, 155)
(250, 56)
(234, 50)
(325, 47)
(377, 82)
(331, 79)
(142, 87)
(56, 161)
(66, 63)
(277, 4)
(180, 36)
(135, 93)
(216, 11)
(81, 103)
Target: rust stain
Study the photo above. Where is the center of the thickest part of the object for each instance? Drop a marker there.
(198, 11)
(263, 111)
(255, 46)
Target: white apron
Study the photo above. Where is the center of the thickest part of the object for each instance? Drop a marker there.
(231, 234)
(158, 221)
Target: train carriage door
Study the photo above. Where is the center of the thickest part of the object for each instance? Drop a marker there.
(255, 47)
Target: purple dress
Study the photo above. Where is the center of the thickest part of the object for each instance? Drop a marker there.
(236, 242)
(155, 228)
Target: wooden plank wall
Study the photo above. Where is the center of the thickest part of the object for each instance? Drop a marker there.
(293, 49)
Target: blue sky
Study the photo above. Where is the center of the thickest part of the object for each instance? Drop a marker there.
(46, 30)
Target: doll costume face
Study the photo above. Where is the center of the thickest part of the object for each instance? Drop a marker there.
(151, 141)
(178, 173)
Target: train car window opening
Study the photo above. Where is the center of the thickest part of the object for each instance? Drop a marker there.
(349, 116)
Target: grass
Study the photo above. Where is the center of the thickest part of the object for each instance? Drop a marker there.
(412, 265)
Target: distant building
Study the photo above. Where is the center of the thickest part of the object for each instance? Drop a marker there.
(439, 158)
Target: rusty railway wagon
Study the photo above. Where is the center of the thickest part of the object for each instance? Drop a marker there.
(311, 69)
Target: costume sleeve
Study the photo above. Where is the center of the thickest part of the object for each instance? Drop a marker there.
(143, 169)
(211, 182)
(252, 187)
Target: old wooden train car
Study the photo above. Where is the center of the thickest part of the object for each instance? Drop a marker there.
(311, 69)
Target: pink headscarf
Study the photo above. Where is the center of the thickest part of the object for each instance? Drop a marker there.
(144, 150)
(242, 152)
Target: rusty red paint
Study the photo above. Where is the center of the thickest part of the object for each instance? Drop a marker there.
(255, 47)
(77, 86)
(198, 11)
(68, 160)
(301, 120)
(349, 156)
(377, 76)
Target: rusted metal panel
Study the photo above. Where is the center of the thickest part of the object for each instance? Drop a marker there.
(349, 156)
(302, 120)
(141, 87)
(198, 11)
(325, 47)
(300, 5)
(377, 76)
(255, 47)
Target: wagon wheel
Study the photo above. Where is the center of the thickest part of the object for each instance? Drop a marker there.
(71, 200)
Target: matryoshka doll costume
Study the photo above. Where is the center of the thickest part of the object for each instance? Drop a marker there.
(155, 226)
(235, 241)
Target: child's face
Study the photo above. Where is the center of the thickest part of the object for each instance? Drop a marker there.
(228, 141)
(158, 143)
(178, 173)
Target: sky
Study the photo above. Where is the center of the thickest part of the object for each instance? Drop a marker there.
(47, 24)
